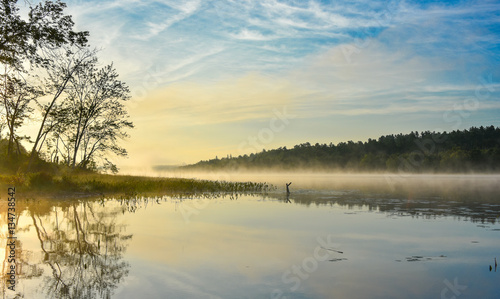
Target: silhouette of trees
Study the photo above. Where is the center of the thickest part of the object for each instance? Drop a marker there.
(66, 62)
(22, 42)
(91, 119)
(46, 64)
(16, 96)
(475, 149)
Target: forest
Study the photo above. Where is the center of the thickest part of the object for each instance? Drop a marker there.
(472, 150)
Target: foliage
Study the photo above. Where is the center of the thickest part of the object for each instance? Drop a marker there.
(476, 149)
(46, 26)
(43, 59)
(22, 42)
(93, 116)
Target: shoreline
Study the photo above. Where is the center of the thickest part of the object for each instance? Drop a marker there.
(100, 185)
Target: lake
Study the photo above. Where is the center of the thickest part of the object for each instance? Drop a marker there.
(333, 236)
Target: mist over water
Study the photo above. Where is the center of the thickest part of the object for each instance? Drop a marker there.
(450, 186)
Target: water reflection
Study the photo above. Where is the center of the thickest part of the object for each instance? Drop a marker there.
(238, 245)
(79, 249)
(424, 207)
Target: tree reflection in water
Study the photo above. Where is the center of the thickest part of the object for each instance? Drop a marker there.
(82, 248)
(80, 245)
(84, 251)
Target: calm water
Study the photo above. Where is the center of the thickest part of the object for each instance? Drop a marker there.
(365, 237)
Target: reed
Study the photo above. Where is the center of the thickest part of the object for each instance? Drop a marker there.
(90, 184)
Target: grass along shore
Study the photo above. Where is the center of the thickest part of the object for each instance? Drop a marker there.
(90, 184)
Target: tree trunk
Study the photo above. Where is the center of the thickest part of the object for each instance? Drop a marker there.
(34, 151)
(11, 122)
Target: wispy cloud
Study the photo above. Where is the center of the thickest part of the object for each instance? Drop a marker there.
(222, 66)
(184, 10)
(246, 34)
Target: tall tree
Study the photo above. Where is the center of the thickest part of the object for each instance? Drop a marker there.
(22, 41)
(84, 115)
(65, 63)
(92, 118)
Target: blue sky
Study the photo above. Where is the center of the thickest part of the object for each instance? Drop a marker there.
(208, 76)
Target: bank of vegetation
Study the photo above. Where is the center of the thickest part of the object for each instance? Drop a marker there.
(85, 184)
(472, 150)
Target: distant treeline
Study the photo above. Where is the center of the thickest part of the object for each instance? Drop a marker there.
(476, 149)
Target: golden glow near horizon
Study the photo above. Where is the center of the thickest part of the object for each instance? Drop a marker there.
(193, 120)
(208, 76)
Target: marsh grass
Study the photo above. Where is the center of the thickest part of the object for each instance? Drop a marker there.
(90, 184)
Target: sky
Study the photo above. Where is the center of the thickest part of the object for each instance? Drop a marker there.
(227, 77)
